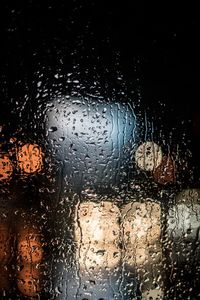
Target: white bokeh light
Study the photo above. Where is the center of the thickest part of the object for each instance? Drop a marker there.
(93, 138)
(184, 217)
(148, 156)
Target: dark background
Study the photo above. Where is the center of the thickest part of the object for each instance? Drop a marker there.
(147, 53)
(159, 43)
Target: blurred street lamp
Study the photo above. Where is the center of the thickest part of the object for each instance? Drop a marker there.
(6, 168)
(142, 245)
(97, 234)
(30, 158)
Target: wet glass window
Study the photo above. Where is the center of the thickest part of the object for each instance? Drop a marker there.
(99, 152)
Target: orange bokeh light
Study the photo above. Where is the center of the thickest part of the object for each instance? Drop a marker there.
(30, 158)
(28, 281)
(30, 246)
(6, 168)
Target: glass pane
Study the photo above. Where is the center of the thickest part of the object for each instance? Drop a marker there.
(99, 153)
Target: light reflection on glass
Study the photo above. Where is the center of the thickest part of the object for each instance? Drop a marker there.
(30, 246)
(183, 224)
(97, 234)
(148, 156)
(30, 254)
(28, 280)
(183, 217)
(6, 168)
(141, 222)
(142, 246)
(92, 137)
(29, 158)
(154, 294)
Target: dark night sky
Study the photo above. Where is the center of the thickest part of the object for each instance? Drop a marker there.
(101, 36)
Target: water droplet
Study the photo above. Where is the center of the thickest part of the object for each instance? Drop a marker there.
(53, 129)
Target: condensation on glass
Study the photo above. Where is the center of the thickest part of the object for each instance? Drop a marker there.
(93, 206)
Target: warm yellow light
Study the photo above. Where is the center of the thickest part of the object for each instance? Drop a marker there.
(148, 156)
(100, 256)
(6, 168)
(153, 294)
(30, 158)
(28, 281)
(97, 233)
(142, 246)
(30, 246)
(98, 222)
(141, 223)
